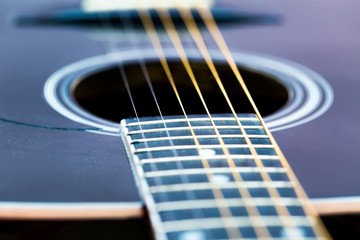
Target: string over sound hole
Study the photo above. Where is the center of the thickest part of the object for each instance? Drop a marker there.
(92, 91)
(104, 94)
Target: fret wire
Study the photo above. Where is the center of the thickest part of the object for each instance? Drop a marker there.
(258, 221)
(150, 28)
(214, 30)
(231, 202)
(224, 136)
(187, 128)
(184, 147)
(150, 122)
(191, 158)
(228, 185)
(213, 170)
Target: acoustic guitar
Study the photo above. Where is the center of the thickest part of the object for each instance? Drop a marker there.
(179, 120)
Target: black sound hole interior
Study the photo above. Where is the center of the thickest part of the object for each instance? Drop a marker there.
(105, 95)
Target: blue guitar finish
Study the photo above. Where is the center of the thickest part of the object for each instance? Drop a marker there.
(46, 157)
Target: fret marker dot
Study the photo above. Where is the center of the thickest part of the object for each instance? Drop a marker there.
(192, 235)
(292, 233)
(220, 178)
(207, 152)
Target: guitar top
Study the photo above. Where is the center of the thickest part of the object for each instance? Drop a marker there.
(60, 107)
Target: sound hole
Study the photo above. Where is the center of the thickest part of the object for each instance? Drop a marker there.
(104, 94)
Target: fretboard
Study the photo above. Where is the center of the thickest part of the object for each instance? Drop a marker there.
(200, 180)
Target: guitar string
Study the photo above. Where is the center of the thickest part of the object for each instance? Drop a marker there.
(244, 192)
(130, 94)
(220, 41)
(219, 198)
(126, 83)
(158, 181)
(274, 192)
(197, 37)
(135, 43)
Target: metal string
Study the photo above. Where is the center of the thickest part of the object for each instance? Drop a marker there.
(169, 26)
(197, 37)
(219, 198)
(220, 41)
(215, 32)
(134, 41)
(107, 23)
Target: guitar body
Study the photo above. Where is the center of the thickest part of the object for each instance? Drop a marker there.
(52, 167)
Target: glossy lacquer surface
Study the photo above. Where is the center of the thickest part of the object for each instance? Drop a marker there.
(47, 157)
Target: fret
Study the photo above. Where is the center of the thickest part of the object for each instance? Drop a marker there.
(179, 236)
(229, 202)
(227, 185)
(277, 232)
(273, 238)
(206, 153)
(151, 130)
(228, 146)
(213, 212)
(206, 194)
(135, 122)
(287, 192)
(197, 235)
(179, 215)
(199, 137)
(202, 141)
(203, 177)
(215, 223)
(198, 163)
(207, 146)
(204, 123)
(198, 132)
(212, 170)
(195, 178)
(194, 158)
(183, 195)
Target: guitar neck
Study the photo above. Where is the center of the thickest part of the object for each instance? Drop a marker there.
(200, 179)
